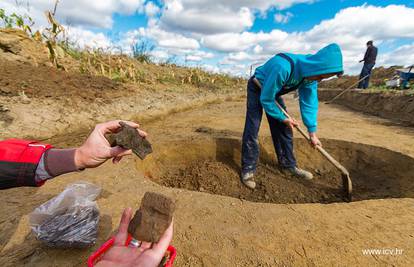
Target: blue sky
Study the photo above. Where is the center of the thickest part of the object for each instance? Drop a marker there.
(305, 15)
(228, 36)
(308, 15)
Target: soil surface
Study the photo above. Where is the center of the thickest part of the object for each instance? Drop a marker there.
(272, 185)
(215, 230)
(42, 102)
(372, 169)
(216, 227)
(396, 106)
(378, 77)
(53, 83)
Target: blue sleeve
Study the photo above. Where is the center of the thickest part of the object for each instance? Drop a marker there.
(272, 85)
(308, 101)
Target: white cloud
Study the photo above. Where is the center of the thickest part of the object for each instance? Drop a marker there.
(164, 39)
(264, 5)
(151, 9)
(191, 55)
(171, 40)
(235, 70)
(203, 54)
(77, 12)
(350, 28)
(354, 25)
(205, 20)
(193, 58)
(160, 55)
(186, 28)
(88, 39)
(401, 56)
(210, 68)
(214, 16)
(258, 49)
(168, 44)
(235, 58)
(283, 18)
(241, 56)
(237, 42)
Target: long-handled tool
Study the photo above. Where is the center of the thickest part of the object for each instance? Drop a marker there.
(346, 90)
(346, 180)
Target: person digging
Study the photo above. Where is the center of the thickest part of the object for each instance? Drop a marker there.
(282, 74)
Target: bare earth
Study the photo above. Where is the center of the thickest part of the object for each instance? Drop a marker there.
(195, 131)
(218, 230)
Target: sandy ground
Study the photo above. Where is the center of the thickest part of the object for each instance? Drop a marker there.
(213, 230)
(393, 105)
(39, 102)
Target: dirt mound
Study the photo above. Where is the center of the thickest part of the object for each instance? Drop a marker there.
(43, 81)
(16, 45)
(396, 106)
(39, 101)
(377, 79)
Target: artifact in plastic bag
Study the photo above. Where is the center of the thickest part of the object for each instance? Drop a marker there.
(69, 220)
(129, 138)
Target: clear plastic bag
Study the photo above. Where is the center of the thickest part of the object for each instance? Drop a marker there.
(69, 220)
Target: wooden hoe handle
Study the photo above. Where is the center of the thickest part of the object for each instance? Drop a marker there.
(318, 147)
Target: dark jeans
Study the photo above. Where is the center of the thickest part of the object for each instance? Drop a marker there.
(281, 134)
(366, 70)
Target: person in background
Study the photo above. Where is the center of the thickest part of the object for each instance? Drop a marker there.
(369, 63)
(30, 163)
(280, 75)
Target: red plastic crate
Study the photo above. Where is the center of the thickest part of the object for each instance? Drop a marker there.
(97, 255)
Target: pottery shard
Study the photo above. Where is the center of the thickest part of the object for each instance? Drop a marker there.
(153, 217)
(129, 138)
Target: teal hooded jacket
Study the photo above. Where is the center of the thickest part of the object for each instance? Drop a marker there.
(275, 73)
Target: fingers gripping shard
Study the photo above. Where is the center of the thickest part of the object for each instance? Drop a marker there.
(129, 138)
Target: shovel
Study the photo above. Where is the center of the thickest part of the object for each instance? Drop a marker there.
(346, 180)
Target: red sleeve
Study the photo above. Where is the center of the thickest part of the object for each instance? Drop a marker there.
(18, 162)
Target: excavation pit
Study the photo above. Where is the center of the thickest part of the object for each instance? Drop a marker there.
(212, 165)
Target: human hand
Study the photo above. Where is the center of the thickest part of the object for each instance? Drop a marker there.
(145, 255)
(96, 149)
(291, 123)
(314, 140)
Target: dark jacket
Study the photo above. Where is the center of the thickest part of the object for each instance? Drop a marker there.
(18, 162)
(370, 55)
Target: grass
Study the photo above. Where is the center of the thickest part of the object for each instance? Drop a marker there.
(386, 90)
(139, 68)
(135, 68)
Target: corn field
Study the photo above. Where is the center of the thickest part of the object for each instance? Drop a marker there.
(118, 67)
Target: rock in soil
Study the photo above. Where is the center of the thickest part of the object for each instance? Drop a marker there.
(129, 138)
(153, 217)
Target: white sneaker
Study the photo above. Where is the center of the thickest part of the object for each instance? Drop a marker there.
(247, 180)
(300, 173)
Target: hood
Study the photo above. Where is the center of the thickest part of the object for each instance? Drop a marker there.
(325, 61)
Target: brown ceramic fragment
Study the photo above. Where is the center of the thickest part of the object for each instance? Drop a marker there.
(129, 138)
(153, 217)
